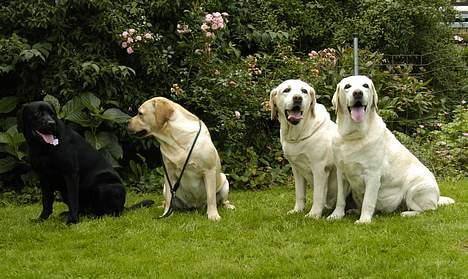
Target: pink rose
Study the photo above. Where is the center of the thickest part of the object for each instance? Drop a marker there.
(224, 14)
(131, 31)
(238, 115)
(124, 44)
(216, 14)
(148, 36)
(313, 54)
(129, 50)
(124, 34)
(138, 38)
(209, 34)
(218, 20)
(208, 18)
(130, 40)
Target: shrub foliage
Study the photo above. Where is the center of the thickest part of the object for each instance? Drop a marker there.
(220, 59)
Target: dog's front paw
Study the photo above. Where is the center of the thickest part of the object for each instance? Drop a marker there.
(214, 216)
(336, 215)
(72, 220)
(363, 221)
(45, 214)
(314, 215)
(315, 212)
(295, 210)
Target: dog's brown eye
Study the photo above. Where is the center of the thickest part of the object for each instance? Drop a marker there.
(365, 85)
(347, 86)
(286, 90)
(304, 90)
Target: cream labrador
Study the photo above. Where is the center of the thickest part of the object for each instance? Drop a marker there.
(175, 129)
(381, 173)
(306, 133)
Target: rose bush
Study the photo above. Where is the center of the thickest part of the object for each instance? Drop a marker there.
(220, 59)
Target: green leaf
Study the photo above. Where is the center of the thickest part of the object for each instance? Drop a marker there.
(7, 164)
(8, 104)
(43, 48)
(6, 69)
(4, 137)
(92, 140)
(111, 144)
(92, 65)
(90, 101)
(12, 137)
(106, 154)
(115, 115)
(26, 55)
(126, 69)
(83, 119)
(115, 149)
(53, 101)
(73, 106)
(7, 122)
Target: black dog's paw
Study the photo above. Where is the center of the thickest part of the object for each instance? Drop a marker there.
(72, 220)
(45, 214)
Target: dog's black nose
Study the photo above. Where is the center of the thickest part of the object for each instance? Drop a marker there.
(357, 94)
(297, 99)
(50, 124)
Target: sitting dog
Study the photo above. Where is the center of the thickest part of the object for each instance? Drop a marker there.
(202, 183)
(383, 175)
(65, 162)
(306, 133)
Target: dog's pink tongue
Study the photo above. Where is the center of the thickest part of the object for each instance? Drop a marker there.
(50, 139)
(295, 115)
(357, 114)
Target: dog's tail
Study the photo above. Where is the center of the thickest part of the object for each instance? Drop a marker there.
(143, 203)
(445, 201)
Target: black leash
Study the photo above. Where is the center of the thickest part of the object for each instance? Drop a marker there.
(177, 184)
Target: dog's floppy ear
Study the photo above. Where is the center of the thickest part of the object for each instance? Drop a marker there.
(163, 111)
(375, 98)
(19, 119)
(336, 98)
(274, 109)
(313, 101)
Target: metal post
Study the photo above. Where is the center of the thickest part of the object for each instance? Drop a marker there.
(356, 60)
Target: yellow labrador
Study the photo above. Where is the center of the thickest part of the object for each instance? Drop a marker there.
(175, 128)
(381, 173)
(306, 133)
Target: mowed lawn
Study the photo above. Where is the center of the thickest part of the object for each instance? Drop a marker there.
(256, 240)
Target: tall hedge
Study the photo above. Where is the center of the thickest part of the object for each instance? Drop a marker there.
(70, 48)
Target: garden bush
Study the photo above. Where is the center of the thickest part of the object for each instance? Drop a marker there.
(219, 59)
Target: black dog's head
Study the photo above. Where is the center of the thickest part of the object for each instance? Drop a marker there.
(38, 122)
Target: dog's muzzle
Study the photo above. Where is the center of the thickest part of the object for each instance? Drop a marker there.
(357, 110)
(139, 134)
(294, 115)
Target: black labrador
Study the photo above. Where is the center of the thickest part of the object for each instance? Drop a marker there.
(65, 162)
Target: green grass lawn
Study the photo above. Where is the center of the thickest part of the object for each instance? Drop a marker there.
(257, 239)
